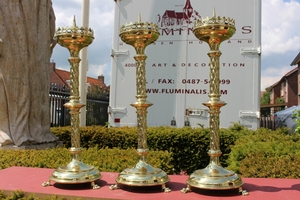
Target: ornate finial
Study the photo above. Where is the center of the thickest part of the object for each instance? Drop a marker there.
(214, 20)
(79, 31)
(74, 21)
(139, 25)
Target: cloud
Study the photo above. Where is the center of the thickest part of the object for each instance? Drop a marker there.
(268, 81)
(280, 39)
(101, 21)
(271, 75)
(280, 36)
(280, 32)
(277, 71)
(97, 70)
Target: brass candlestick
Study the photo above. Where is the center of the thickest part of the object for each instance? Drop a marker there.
(74, 39)
(213, 31)
(139, 35)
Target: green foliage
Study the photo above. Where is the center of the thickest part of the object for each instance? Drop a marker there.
(266, 153)
(100, 136)
(296, 116)
(108, 160)
(96, 90)
(187, 145)
(280, 100)
(265, 99)
(260, 153)
(15, 195)
(20, 195)
(228, 138)
(34, 158)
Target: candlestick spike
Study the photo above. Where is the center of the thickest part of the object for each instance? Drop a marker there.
(139, 18)
(214, 13)
(74, 21)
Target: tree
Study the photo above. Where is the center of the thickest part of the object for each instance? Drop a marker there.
(98, 91)
(265, 99)
(296, 117)
(97, 112)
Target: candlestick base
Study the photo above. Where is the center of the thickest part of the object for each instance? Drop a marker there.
(143, 174)
(213, 177)
(74, 173)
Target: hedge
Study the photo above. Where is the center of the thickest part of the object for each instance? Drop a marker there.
(188, 146)
(108, 160)
(20, 195)
(266, 154)
(261, 153)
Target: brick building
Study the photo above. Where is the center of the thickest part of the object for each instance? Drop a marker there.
(296, 61)
(286, 88)
(61, 78)
(96, 100)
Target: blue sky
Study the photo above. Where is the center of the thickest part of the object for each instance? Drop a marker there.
(280, 36)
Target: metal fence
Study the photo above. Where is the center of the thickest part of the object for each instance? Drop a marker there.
(267, 122)
(96, 107)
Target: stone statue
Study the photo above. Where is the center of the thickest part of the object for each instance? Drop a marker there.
(26, 30)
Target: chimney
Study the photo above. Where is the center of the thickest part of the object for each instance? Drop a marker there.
(101, 78)
(52, 66)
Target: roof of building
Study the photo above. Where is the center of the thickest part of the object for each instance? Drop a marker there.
(55, 80)
(290, 72)
(274, 84)
(285, 76)
(61, 77)
(296, 60)
(169, 13)
(187, 5)
(95, 81)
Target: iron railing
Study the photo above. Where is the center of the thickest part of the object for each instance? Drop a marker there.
(96, 107)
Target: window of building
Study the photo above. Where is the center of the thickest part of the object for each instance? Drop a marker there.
(282, 89)
(272, 95)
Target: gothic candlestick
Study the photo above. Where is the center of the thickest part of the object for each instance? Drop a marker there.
(139, 35)
(213, 31)
(74, 39)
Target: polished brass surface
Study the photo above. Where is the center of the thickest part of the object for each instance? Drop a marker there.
(213, 31)
(74, 39)
(140, 35)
